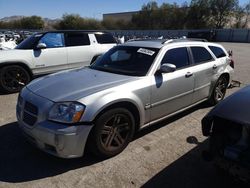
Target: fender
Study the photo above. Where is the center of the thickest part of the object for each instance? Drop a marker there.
(93, 109)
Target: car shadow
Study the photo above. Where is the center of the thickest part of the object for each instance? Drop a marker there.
(21, 162)
(191, 171)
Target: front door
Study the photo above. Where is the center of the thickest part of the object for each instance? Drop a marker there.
(54, 57)
(172, 91)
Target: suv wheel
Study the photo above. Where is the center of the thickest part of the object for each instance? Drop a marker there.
(113, 131)
(219, 90)
(13, 78)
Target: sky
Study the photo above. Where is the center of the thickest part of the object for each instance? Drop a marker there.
(56, 8)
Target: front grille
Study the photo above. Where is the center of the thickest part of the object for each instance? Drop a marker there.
(30, 113)
(29, 119)
(30, 108)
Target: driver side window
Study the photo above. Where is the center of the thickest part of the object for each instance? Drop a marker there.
(52, 40)
(177, 56)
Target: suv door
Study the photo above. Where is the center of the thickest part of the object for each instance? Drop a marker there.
(203, 68)
(54, 57)
(79, 48)
(172, 91)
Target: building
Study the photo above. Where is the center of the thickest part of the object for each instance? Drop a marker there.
(125, 16)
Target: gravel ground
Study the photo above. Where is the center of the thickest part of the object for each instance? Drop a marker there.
(167, 154)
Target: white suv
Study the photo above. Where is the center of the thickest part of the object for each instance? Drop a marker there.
(48, 52)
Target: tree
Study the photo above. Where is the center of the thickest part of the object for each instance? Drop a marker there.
(221, 11)
(75, 21)
(33, 22)
(239, 14)
(247, 14)
(198, 14)
(147, 17)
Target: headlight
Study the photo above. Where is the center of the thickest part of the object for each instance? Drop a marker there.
(67, 112)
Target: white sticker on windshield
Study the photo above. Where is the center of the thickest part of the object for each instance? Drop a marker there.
(146, 51)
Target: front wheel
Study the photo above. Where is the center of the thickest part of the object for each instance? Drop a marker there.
(13, 78)
(219, 90)
(113, 131)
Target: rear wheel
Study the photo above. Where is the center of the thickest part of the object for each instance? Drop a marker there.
(219, 90)
(13, 78)
(113, 131)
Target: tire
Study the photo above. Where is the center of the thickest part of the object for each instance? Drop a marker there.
(113, 131)
(13, 78)
(219, 91)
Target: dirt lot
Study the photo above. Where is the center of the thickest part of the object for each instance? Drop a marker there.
(164, 155)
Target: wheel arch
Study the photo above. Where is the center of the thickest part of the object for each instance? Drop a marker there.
(126, 105)
(21, 64)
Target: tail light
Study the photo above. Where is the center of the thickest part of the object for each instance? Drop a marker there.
(230, 54)
(231, 63)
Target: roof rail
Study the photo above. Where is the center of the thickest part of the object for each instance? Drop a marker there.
(167, 41)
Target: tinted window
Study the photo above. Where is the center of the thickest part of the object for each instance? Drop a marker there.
(201, 54)
(77, 39)
(126, 60)
(52, 40)
(177, 56)
(105, 38)
(218, 52)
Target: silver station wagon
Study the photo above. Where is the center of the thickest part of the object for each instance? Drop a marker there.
(139, 83)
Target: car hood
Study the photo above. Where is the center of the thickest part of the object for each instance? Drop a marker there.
(75, 84)
(234, 108)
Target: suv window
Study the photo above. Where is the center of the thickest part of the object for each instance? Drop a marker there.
(177, 56)
(77, 39)
(218, 52)
(52, 40)
(105, 38)
(201, 55)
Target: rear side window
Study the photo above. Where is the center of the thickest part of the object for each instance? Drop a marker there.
(105, 38)
(201, 55)
(177, 56)
(218, 52)
(77, 39)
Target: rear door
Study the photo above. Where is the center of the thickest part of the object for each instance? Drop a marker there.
(79, 48)
(203, 68)
(54, 57)
(172, 91)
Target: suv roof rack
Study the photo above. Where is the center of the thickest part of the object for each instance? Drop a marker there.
(166, 41)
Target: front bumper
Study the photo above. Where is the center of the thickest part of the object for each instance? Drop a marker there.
(61, 140)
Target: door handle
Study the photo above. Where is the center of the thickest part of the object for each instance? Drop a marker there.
(189, 74)
(215, 66)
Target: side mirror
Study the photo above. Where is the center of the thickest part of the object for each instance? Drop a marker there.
(167, 68)
(41, 46)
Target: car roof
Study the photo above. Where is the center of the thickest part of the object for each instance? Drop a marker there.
(74, 31)
(159, 43)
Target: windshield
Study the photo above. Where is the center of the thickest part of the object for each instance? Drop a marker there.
(29, 43)
(127, 60)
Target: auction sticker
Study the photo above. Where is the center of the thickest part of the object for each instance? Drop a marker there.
(146, 51)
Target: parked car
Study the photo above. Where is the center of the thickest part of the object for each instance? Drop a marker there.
(228, 129)
(49, 52)
(133, 85)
